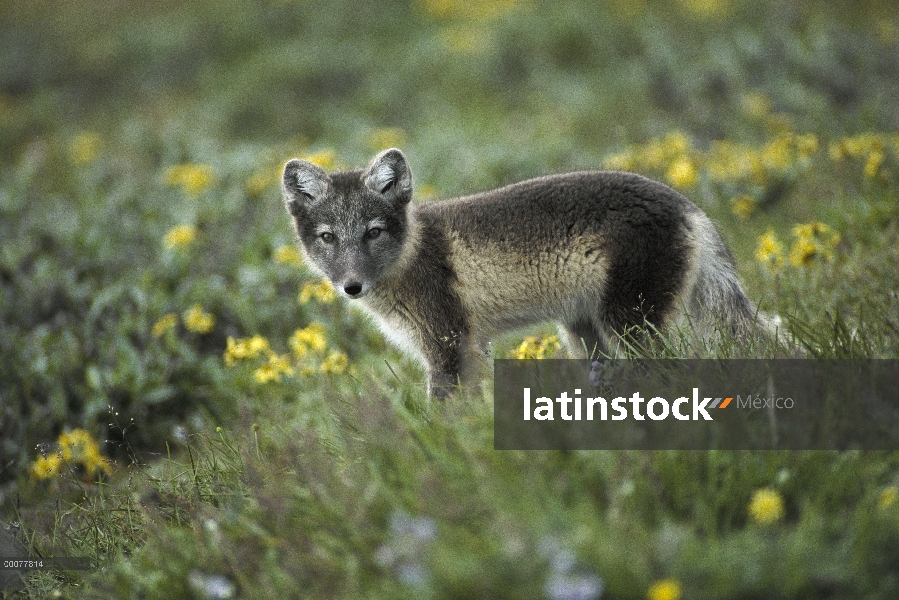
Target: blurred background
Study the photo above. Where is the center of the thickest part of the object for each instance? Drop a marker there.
(556, 84)
(141, 144)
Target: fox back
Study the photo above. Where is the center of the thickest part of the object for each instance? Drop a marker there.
(604, 254)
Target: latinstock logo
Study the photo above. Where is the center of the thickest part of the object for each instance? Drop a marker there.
(576, 408)
(694, 405)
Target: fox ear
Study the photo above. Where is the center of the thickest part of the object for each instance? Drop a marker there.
(303, 183)
(389, 175)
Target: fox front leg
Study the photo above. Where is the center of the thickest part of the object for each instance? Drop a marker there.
(447, 360)
(442, 385)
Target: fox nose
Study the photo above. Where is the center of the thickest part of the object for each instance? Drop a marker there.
(352, 288)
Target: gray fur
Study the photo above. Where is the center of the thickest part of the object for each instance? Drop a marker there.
(601, 253)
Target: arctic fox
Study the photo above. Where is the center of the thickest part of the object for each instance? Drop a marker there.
(602, 253)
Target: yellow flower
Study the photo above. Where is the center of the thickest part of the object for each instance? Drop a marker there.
(777, 155)
(664, 589)
(706, 9)
(386, 137)
(193, 178)
(873, 162)
(731, 162)
(85, 148)
(309, 338)
(528, 348)
(335, 364)
(816, 229)
(266, 374)
(803, 252)
(674, 153)
(756, 104)
(165, 323)
(766, 507)
(531, 347)
(197, 320)
(807, 144)
(180, 236)
(888, 497)
(769, 250)
(682, 173)
(734, 162)
(326, 159)
(623, 161)
(287, 255)
(257, 345)
(813, 240)
(653, 155)
(273, 370)
(743, 206)
(78, 447)
(245, 348)
(869, 146)
(262, 179)
(72, 444)
(321, 290)
(45, 467)
(837, 151)
(425, 191)
(676, 143)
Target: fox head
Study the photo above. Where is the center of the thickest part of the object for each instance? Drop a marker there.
(352, 225)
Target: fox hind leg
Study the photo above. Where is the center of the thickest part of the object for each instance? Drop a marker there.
(583, 339)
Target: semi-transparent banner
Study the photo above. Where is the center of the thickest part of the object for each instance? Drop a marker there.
(800, 404)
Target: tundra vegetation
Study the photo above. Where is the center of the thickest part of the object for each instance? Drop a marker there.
(181, 401)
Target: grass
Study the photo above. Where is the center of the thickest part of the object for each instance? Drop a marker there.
(145, 242)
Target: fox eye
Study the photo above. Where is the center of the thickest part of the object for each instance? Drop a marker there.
(327, 237)
(373, 233)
